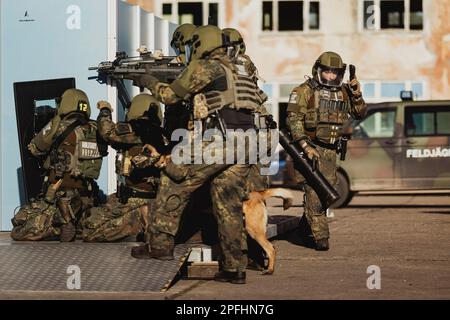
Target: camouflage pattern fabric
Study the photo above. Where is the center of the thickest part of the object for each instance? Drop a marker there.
(110, 132)
(34, 221)
(315, 214)
(114, 220)
(227, 192)
(255, 181)
(41, 220)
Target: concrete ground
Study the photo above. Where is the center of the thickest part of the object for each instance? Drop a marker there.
(407, 237)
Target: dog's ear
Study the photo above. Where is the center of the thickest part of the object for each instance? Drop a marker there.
(287, 203)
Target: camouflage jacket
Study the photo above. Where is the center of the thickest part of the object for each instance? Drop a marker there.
(141, 175)
(299, 106)
(197, 75)
(119, 136)
(79, 153)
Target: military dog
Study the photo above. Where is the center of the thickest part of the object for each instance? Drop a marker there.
(256, 217)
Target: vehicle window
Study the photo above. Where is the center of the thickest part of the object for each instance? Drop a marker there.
(427, 121)
(380, 124)
(420, 124)
(443, 122)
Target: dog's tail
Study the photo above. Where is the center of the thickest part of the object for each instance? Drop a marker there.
(284, 194)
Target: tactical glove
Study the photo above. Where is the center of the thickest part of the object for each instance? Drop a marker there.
(104, 104)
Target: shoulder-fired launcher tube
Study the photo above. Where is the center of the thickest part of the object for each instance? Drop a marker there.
(314, 178)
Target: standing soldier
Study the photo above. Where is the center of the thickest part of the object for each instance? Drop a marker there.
(317, 110)
(255, 181)
(73, 159)
(176, 115)
(127, 212)
(204, 81)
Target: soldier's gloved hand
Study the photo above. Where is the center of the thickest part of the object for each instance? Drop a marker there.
(158, 55)
(104, 104)
(355, 87)
(145, 81)
(310, 151)
(33, 149)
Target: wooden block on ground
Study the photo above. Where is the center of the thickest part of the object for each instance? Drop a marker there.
(203, 270)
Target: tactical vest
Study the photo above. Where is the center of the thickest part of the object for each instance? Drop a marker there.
(78, 155)
(327, 111)
(239, 90)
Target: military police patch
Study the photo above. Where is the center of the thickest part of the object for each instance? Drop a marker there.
(293, 97)
(89, 150)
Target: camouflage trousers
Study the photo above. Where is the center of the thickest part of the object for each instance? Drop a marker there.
(40, 220)
(256, 181)
(315, 214)
(227, 193)
(114, 220)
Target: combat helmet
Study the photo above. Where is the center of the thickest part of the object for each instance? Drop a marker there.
(236, 39)
(180, 37)
(144, 105)
(204, 41)
(329, 61)
(74, 100)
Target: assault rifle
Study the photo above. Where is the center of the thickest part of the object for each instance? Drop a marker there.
(123, 67)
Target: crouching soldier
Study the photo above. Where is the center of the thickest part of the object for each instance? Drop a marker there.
(73, 159)
(127, 212)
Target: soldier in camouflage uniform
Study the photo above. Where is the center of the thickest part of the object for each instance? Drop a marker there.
(127, 212)
(73, 159)
(205, 82)
(317, 110)
(255, 181)
(177, 115)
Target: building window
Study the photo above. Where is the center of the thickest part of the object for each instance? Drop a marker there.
(392, 14)
(290, 15)
(368, 90)
(190, 12)
(213, 17)
(314, 13)
(369, 14)
(267, 88)
(167, 11)
(416, 15)
(392, 90)
(267, 16)
(381, 91)
(417, 89)
(195, 12)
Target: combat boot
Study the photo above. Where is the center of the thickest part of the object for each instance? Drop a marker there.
(162, 254)
(322, 245)
(141, 252)
(68, 232)
(237, 277)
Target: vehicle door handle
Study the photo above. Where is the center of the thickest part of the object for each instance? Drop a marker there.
(409, 141)
(390, 142)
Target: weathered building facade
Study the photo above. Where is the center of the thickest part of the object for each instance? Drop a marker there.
(396, 45)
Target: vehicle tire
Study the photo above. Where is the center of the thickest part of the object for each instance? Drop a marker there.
(343, 189)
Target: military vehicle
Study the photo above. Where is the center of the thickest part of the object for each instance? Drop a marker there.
(399, 147)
